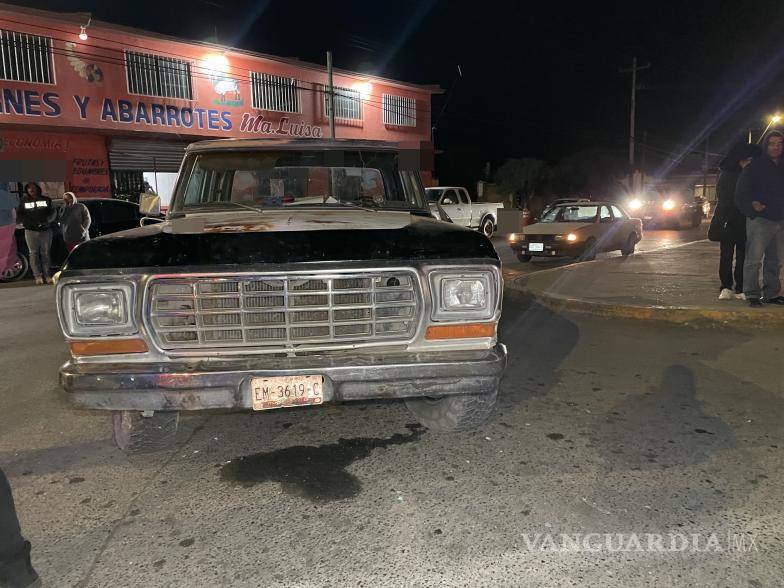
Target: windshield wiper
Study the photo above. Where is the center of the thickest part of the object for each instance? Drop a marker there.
(208, 205)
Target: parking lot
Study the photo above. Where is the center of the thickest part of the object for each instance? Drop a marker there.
(604, 427)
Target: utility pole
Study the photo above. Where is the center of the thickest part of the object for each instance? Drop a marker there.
(330, 96)
(633, 70)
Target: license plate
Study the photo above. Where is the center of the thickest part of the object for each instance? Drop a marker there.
(536, 247)
(283, 391)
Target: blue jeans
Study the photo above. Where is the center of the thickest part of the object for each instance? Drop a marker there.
(39, 244)
(764, 249)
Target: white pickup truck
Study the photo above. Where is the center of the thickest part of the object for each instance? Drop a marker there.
(456, 204)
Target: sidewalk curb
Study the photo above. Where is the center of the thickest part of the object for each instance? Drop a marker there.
(746, 317)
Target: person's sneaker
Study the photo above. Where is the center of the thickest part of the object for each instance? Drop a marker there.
(754, 302)
(49, 281)
(775, 300)
(725, 294)
(740, 296)
(39, 281)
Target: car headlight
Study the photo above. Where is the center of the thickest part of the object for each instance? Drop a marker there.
(464, 295)
(634, 204)
(97, 309)
(668, 204)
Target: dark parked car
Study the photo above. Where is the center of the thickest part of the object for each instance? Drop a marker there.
(108, 216)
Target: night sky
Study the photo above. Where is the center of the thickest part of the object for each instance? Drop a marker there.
(539, 79)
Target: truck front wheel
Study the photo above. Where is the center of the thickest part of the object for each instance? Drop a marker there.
(135, 433)
(453, 413)
(487, 228)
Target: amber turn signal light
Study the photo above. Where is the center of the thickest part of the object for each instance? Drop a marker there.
(108, 346)
(466, 331)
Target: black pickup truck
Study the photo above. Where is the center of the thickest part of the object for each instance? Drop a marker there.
(285, 274)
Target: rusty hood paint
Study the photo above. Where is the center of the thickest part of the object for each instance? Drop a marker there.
(256, 239)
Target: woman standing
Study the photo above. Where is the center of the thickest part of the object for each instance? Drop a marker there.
(728, 225)
(74, 221)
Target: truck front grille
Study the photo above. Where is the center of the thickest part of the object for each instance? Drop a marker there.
(283, 312)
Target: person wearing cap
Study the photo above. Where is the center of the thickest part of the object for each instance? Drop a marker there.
(728, 225)
(74, 222)
(760, 196)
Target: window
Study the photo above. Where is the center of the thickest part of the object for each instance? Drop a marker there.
(605, 217)
(153, 75)
(348, 103)
(617, 212)
(579, 214)
(275, 93)
(399, 110)
(450, 197)
(26, 58)
(117, 211)
(464, 197)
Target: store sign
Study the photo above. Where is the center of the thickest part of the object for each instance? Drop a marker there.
(33, 104)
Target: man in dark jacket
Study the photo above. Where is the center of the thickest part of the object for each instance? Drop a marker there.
(37, 215)
(760, 196)
(728, 225)
(74, 222)
(16, 571)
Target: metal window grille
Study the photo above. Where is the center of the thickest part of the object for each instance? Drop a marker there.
(153, 75)
(276, 93)
(26, 58)
(399, 110)
(348, 103)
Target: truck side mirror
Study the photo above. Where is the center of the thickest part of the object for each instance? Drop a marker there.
(150, 205)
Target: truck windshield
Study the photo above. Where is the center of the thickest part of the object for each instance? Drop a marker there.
(268, 179)
(433, 194)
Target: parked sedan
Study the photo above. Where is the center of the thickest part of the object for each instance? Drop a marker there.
(108, 216)
(579, 230)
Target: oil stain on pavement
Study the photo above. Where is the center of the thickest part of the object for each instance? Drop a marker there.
(314, 472)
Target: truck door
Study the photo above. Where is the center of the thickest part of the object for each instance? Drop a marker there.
(450, 202)
(465, 203)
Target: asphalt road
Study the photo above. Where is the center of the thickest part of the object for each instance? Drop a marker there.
(608, 428)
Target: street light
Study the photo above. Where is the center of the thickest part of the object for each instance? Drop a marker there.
(774, 120)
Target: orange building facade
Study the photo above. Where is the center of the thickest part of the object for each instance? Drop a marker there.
(103, 112)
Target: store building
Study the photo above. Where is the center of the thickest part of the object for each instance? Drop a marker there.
(100, 109)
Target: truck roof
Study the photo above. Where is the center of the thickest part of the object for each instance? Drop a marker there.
(291, 144)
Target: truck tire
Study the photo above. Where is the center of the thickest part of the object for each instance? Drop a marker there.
(453, 413)
(631, 244)
(487, 227)
(523, 258)
(134, 433)
(18, 270)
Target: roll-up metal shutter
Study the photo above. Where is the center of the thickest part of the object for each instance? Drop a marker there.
(158, 156)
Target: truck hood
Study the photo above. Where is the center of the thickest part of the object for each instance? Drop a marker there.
(293, 237)
(554, 228)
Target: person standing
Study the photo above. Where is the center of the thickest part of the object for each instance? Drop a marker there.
(74, 222)
(16, 569)
(37, 215)
(728, 225)
(760, 196)
(8, 204)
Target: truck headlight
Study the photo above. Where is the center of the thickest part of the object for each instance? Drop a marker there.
(469, 295)
(97, 309)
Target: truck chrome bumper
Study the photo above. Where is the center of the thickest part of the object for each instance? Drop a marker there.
(200, 385)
